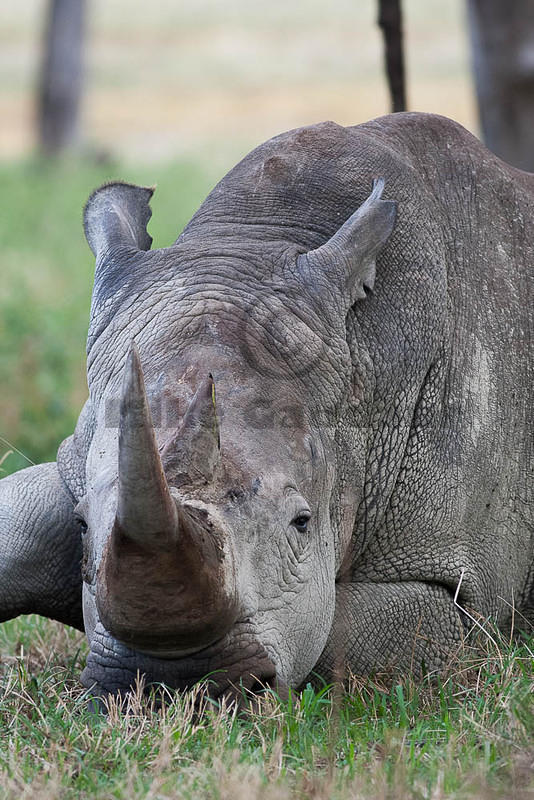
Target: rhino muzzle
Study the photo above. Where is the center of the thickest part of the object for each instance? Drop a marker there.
(166, 581)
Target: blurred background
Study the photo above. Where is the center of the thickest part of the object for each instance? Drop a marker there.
(203, 77)
(171, 93)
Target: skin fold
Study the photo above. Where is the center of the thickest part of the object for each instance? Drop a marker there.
(309, 420)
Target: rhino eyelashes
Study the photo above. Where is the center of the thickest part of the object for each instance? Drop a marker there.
(80, 519)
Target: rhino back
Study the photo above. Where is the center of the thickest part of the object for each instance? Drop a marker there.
(461, 500)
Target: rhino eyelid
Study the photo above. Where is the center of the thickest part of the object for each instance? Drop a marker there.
(304, 512)
(80, 508)
(291, 489)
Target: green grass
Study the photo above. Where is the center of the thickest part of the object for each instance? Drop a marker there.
(468, 735)
(45, 291)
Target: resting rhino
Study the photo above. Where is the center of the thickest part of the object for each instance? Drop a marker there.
(309, 432)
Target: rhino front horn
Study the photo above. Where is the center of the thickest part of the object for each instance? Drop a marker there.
(146, 511)
(166, 583)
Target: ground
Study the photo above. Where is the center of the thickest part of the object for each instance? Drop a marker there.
(468, 735)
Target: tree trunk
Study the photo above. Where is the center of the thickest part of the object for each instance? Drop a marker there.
(61, 76)
(390, 20)
(502, 46)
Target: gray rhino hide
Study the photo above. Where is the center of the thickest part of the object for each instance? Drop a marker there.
(369, 369)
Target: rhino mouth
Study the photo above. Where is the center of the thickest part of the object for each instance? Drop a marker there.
(235, 668)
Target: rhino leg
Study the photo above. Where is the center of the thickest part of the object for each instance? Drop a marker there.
(40, 547)
(418, 622)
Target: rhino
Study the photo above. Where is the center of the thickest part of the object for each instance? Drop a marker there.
(308, 439)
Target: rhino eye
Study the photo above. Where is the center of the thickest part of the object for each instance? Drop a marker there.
(301, 522)
(82, 524)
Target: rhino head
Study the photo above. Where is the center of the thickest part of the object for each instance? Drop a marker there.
(216, 514)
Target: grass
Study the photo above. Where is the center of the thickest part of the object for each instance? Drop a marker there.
(466, 736)
(45, 292)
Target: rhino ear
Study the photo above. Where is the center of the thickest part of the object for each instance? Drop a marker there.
(116, 216)
(345, 265)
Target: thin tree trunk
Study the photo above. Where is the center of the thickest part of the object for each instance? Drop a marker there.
(60, 81)
(502, 46)
(390, 20)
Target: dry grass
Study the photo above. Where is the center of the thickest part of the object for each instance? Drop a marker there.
(468, 735)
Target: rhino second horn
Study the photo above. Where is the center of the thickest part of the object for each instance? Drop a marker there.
(192, 455)
(146, 511)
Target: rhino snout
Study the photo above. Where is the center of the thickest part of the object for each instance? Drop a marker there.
(165, 582)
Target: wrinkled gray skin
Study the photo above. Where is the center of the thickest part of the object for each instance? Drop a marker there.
(399, 419)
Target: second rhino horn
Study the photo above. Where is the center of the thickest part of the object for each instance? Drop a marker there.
(192, 455)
